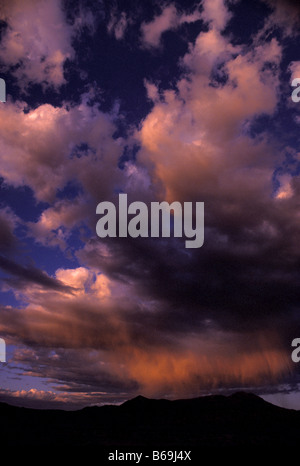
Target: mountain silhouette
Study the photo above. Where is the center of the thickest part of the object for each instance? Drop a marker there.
(241, 419)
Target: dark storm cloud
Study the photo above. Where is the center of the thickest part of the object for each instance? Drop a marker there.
(238, 290)
(32, 275)
(70, 370)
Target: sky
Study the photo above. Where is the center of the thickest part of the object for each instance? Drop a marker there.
(185, 101)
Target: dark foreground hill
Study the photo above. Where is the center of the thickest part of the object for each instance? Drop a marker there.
(241, 419)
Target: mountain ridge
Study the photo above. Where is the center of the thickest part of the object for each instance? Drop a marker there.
(216, 420)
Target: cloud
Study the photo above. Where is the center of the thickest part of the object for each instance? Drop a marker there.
(118, 24)
(41, 399)
(215, 13)
(286, 14)
(31, 157)
(31, 274)
(83, 154)
(294, 69)
(284, 17)
(36, 42)
(55, 224)
(285, 191)
(167, 372)
(83, 348)
(8, 223)
(169, 19)
(205, 120)
(85, 281)
(38, 39)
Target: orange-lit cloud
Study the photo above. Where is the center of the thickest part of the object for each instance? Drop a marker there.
(96, 330)
(191, 372)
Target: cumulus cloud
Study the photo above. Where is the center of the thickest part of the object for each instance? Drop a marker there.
(36, 42)
(205, 122)
(67, 146)
(37, 159)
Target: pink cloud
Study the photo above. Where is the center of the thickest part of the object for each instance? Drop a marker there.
(32, 156)
(59, 399)
(38, 39)
(215, 13)
(207, 124)
(169, 19)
